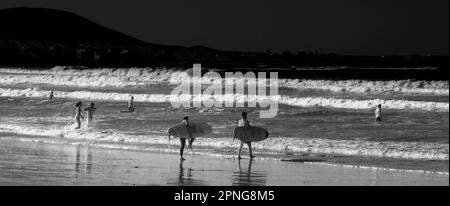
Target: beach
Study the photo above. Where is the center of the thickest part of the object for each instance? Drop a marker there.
(30, 163)
(323, 133)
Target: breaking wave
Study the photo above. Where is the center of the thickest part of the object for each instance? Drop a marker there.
(142, 77)
(68, 76)
(232, 98)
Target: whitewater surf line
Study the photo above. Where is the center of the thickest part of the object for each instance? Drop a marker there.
(273, 145)
(234, 98)
(145, 77)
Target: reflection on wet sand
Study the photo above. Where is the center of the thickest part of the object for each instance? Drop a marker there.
(185, 179)
(87, 163)
(39, 164)
(248, 178)
(77, 161)
(375, 180)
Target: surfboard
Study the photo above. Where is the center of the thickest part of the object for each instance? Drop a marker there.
(251, 134)
(197, 129)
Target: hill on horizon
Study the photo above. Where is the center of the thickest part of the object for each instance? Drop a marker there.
(43, 24)
(49, 37)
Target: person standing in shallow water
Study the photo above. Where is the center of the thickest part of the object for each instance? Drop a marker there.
(90, 113)
(78, 115)
(243, 122)
(183, 140)
(131, 104)
(50, 96)
(378, 113)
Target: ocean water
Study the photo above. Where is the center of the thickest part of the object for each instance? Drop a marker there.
(319, 121)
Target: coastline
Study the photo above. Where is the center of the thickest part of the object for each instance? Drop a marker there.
(34, 163)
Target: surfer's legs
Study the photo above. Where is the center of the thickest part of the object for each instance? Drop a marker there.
(240, 149)
(191, 141)
(183, 143)
(249, 144)
(78, 121)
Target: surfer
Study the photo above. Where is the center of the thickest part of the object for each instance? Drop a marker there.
(378, 113)
(90, 111)
(78, 115)
(131, 104)
(182, 140)
(243, 122)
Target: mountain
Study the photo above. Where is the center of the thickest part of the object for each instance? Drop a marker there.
(54, 25)
(40, 36)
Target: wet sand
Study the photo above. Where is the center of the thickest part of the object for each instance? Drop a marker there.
(31, 163)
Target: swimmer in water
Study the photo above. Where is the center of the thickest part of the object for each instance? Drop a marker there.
(50, 97)
(131, 104)
(378, 113)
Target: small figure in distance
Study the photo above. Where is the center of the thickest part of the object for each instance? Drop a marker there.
(131, 104)
(378, 113)
(50, 97)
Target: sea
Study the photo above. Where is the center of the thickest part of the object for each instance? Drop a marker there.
(318, 121)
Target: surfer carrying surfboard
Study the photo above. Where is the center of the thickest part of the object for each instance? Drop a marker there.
(78, 115)
(90, 113)
(183, 140)
(189, 130)
(243, 122)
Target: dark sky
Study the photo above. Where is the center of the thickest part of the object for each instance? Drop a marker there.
(373, 27)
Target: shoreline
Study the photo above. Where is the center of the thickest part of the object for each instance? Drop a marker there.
(418, 166)
(32, 163)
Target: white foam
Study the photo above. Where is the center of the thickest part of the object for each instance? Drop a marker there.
(233, 98)
(364, 86)
(141, 77)
(380, 168)
(67, 76)
(401, 150)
